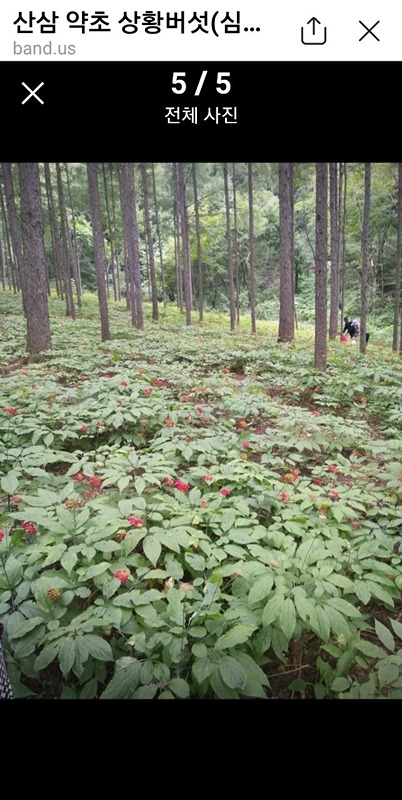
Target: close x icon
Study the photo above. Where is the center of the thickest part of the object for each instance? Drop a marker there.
(369, 30)
(32, 93)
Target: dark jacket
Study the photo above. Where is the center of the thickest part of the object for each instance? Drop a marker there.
(350, 329)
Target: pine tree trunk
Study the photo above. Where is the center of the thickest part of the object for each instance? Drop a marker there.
(342, 227)
(320, 345)
(11, 272)
(98, 244)
(150, 244)
(199, 251)
(48, 269)
(116, 243)
(159, 236)
(146, 255)
(293, 260)
(13, 226)
(236, 253)
(334, 208)
(65, 255)
(365, 257)
(53, 232)
(232, 307)
(34, 261)
(286, 302)
(398, 264)
(74, 245)
(177, 253)
(137, 263)
(129, 215)
(2, 266)
(252, 248)
(127, 240)
(184, 239)
(109, 227)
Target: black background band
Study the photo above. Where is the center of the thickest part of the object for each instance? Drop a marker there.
(100, 111)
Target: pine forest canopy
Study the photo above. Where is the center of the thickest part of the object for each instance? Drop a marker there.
(286, 242)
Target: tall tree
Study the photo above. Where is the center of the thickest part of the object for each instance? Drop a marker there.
(292, 245)
(158, 231)
(110, 234)
(236, 249)
(150, 244)
(320, 344)
(334, 209)
(397, 301)
(145, 249)
(343, 174)
(66, 249)
(14, 225)
(11, 271)
(130, 228)
(75, 262)
(114, 234)
(54, 233)
(127, 241)
(2, 265)
(252, 248)
(176, 227)
(365, 256)
(286, 303)
(199, 250)
(232, 306)
(183, 213)
(98, 244)
(33, 263)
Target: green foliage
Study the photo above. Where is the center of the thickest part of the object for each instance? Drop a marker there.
(283, 527)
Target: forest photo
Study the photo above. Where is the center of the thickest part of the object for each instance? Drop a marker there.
(200, 431)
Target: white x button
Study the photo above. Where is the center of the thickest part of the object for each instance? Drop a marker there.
(32, 93)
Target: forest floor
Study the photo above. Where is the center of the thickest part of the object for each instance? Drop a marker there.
(187, 512)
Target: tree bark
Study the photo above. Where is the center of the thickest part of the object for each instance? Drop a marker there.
(2, 266)
(286, 302)
(232, 307)
(236, 254)
(334, 208)
(292, 229)
(115, 235)
(159, 236)
(129, 213)
(320, 344)
(66, 252)
(98, 244)
(151, 255)
(34, 261)
(184, 238)
(8, 256)
(365, 257)
(109, 227)
(13, 225)
(176, 226)
(252, 248)
(54, 233)
(397, 303)
(199, 251)
(127, 242)
(342, 243)
(74, 244)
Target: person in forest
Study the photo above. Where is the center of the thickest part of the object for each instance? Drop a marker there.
(352, 327)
